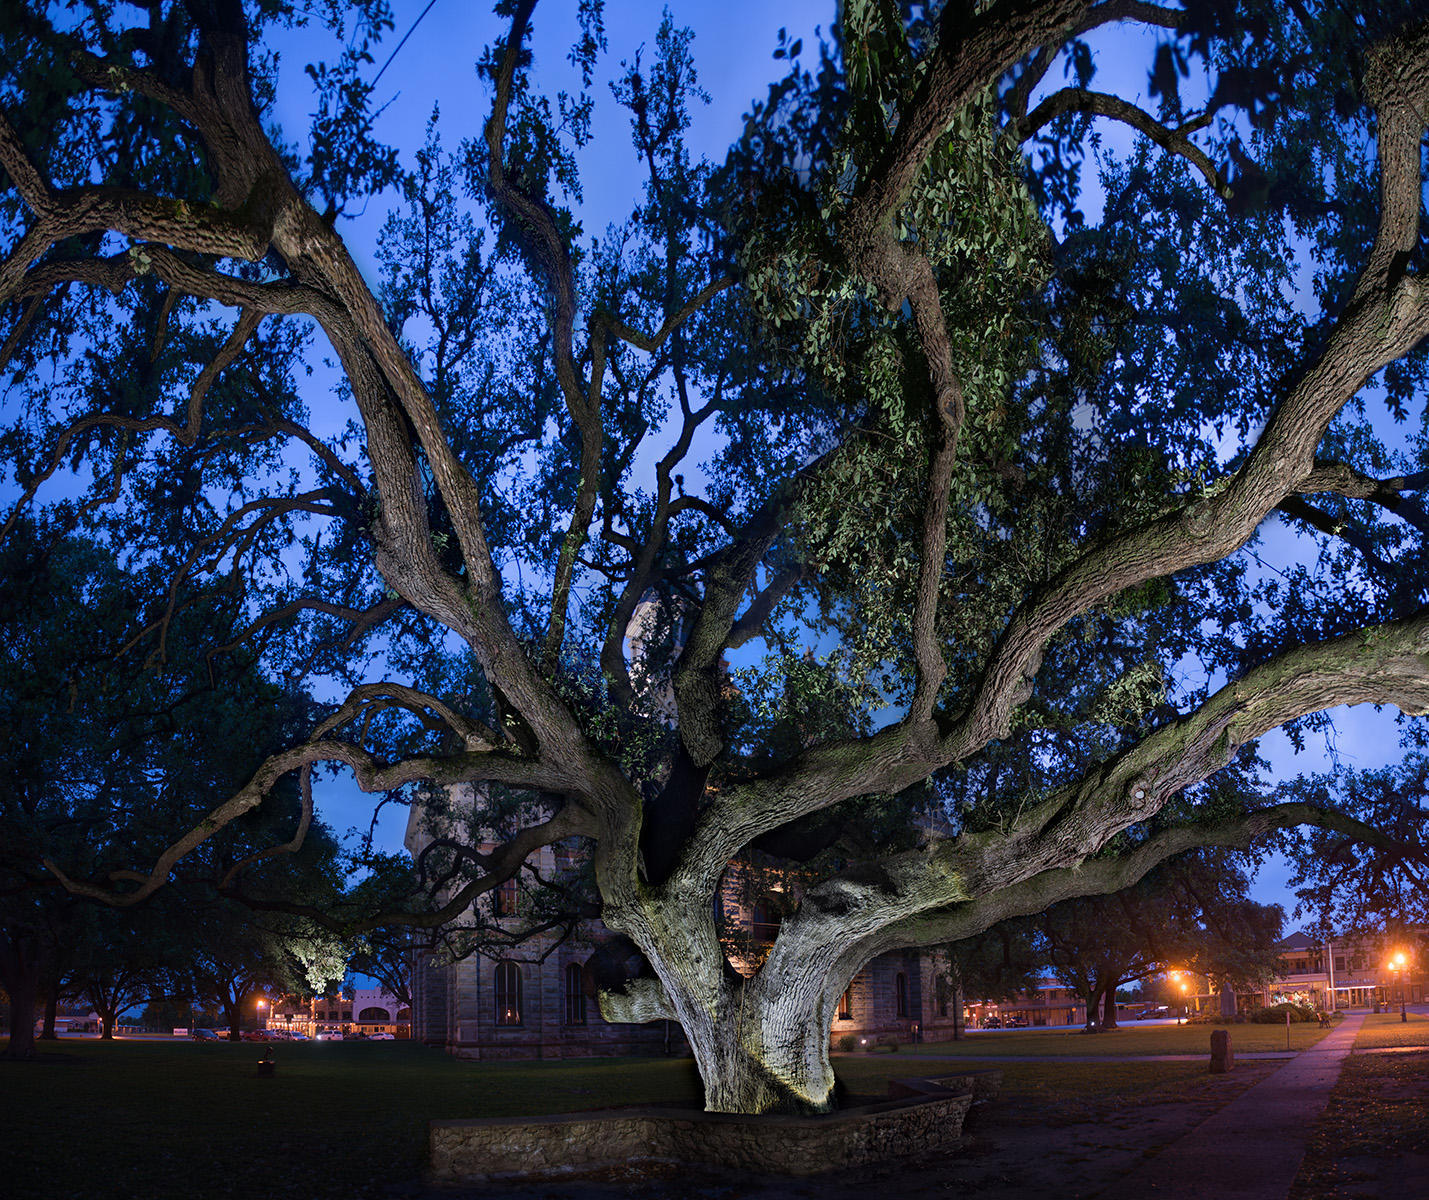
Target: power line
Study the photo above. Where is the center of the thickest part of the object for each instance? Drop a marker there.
(403, 42)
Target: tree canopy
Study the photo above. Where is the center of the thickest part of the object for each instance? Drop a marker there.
(883, 497)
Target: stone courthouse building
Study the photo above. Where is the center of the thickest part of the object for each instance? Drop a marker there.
(537, 1002)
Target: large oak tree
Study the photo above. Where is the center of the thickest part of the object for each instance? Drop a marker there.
(899, 464)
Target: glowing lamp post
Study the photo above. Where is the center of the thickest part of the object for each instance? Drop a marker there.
(1176, 983)
(262, 1024)
(1399, 964)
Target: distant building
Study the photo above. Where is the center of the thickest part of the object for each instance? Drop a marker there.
(539, 1001)
(1052, 1002)
(1334, 974)
(366, 1010)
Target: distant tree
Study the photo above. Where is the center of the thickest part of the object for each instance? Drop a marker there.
(1192, 913)
(997, 964)
(1345, 887)
(111, 746)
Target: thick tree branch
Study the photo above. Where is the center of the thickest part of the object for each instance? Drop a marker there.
(1386, 318)
(1101, 104)
(372, 775)
(1390, 494)
(1384, 664)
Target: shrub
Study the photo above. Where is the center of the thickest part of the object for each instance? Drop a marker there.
(847, 1043)
(1276, 1014)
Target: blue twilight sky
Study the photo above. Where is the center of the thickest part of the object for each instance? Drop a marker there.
(732, 48)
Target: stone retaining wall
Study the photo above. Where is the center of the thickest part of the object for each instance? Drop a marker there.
(476, 1151)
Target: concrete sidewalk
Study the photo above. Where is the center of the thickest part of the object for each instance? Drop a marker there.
(1252, 1148)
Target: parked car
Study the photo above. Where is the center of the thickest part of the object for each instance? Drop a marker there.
(297, 1035)
(381, 1037)
(329, 1035)
(992, 1023)
(204, 1035)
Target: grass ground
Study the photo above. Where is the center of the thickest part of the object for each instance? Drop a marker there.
(1128, 1040)
(164, 1120)
(1381, 1030)
(1373, 1140)
(177, 1119)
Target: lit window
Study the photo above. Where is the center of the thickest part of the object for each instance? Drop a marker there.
(508, 994)
(506, 898)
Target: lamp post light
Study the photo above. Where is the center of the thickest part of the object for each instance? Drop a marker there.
(262, 1023)
(1398, 964)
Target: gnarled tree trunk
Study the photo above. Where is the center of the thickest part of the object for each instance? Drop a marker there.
(761, 1044)
(1109, 1007)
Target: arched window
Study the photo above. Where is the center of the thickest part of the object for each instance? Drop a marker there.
(900, 989)
(508, 993)
(942, 995)
(373, 1016)
(575, 995)
(846, 1004)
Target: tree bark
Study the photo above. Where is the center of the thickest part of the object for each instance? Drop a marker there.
(1109, 1007)
(20, 975)
(52, 1004)
(761, 1044)
(1094, 1006)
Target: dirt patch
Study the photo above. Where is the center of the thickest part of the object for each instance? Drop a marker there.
(1373, 1140)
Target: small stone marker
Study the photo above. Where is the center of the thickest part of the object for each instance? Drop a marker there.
(1222, 1056)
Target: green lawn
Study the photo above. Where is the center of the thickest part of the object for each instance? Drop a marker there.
(1079, 1084)
(182, 1120)
(1128, 1040)
(1374, 1136)
(175, 1120)
(1386, 1029)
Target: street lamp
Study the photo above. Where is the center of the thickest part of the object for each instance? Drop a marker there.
(262, 1024)
(1398, 964)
